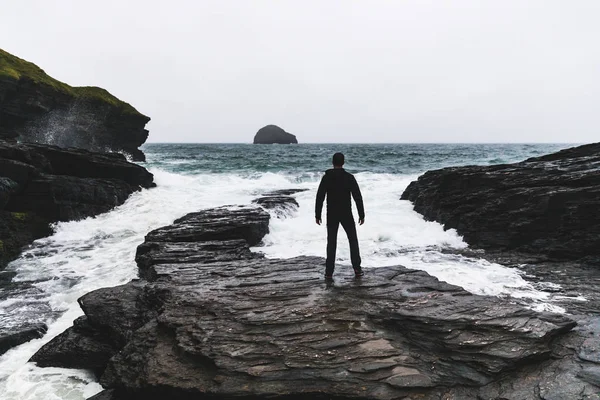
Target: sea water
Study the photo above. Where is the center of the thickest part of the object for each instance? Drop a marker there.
(85, 255)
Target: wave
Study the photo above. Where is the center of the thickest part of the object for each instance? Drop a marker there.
(82, 256)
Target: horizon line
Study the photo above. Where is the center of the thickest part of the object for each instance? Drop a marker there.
(338, 143)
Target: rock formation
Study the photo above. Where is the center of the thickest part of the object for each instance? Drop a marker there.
(543, 206)
(272, 134)
(40, 185)
(210, 318)
(34, 107)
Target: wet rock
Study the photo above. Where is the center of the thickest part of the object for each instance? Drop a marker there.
(272, 134)
(281, 202)
(223, 223)
(7, 188)
(284, 192)
(106, 395)
(151, 253)
(40, 185)
(283, 206)
(9, 340)
(249, 327)
(51, 184)
(546, 205)
(81, 346)
(258, 327)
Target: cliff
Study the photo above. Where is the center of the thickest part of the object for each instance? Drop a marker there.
(35, 107)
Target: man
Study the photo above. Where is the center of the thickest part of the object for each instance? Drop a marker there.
(338, 185)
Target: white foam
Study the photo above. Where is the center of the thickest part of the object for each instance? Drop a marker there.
(394, 234)
(99, 252)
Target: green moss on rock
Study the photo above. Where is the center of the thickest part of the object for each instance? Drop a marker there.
(16, 69)
(20, 216)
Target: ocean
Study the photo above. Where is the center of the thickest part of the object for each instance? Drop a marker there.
(82, 256)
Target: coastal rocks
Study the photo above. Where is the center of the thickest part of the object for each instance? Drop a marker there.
(40, 185)
(51, 184)
(8, 340)
(546, 205)
(281, 202)
(222, 223)
(250, 327)
(272, 134)
(34, 107)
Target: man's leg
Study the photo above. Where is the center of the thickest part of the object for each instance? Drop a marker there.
(350, 228)
(332, 231)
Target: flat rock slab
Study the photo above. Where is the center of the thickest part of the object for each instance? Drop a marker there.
(274, 328)
(245, 327)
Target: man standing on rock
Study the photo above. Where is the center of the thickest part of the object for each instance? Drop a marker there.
(338, 185)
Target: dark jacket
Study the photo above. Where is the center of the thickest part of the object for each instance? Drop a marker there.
(338, 185)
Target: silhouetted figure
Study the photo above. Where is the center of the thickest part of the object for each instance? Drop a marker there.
(338, 185)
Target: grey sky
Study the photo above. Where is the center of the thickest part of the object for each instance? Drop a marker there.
(329, 71)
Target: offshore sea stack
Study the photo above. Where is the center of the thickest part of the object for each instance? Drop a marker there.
(208, 318)
(35, 107)
(272, 134)
(545, 206)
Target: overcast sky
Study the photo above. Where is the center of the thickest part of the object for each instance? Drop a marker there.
(329, 71)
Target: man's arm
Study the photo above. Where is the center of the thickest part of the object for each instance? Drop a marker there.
(320, 199)
(358, 200)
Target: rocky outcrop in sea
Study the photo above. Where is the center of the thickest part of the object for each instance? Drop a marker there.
(40, 185)
(272, 134)
(210, 318)
(35, 107)
(545, 206)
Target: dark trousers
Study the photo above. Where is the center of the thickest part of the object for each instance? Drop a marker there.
(333, 223)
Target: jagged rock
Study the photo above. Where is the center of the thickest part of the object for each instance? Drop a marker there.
(546, 205)
(34, 107)
(9, 339)
(151, 253)
(272, 134)
(57, 184)
(41, 184)
(284, 192)
(7, 188)
(104, 395)
(223, 223)
(282, 205)
(248, 327)
(280, 201)
(80, 346)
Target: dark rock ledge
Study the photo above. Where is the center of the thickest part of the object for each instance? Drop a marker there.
(242, 326)
(543, 206)
(280, 202)
(40, 185)
(540, 215)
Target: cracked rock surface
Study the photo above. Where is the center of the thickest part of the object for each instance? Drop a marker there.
(242, 326)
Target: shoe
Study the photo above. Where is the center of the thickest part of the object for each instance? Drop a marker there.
(359, 274)
(328, 277)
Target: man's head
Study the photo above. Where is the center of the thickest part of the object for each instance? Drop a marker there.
(338, 160)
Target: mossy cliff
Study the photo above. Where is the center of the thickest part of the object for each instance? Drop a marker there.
(35, 107)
